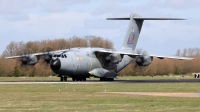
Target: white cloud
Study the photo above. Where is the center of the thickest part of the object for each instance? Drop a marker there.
(52, 24)
(61, 5)
(37, 20)
(16, 10)
(101, 23)
(181, 4)
(107, 6)
(16, 6)
(17, 17)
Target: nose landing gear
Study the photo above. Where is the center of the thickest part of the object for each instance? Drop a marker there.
(63, 78)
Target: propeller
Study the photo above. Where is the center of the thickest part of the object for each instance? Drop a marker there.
(142, 61)
(46, 57)
(27, 60)
(114, 58)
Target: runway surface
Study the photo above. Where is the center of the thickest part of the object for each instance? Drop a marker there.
(107, 82)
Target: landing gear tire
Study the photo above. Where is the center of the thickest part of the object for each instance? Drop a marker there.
(78, 79)
(61, 78)
(64, 78)
(111, 79)
(74, 79)
(106, 79)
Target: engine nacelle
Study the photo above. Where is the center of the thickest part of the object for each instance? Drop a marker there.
(47, 58)
(29, 60)
(143, 60)
(114, 58)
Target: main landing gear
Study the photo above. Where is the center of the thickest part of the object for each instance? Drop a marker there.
(106, 79)
(78, 79)
(63, 78)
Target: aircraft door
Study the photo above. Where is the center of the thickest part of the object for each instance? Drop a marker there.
(77, 66)
(81, 66)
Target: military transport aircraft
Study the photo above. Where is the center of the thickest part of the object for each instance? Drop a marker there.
(81, 63)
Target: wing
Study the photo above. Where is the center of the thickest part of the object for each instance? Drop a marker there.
(132, 54)
(172, 57)
(38, 54)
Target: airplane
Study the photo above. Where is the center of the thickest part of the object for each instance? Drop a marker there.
(82, 63)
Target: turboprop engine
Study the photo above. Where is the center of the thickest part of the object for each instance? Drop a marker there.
(27, 60)
(143, 59)
(46, 57)
(114, 58)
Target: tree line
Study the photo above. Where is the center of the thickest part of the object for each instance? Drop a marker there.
(157, 67)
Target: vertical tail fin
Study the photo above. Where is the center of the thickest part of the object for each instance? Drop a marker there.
(132, 32)
(134, 28)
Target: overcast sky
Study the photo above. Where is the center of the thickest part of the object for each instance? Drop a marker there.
(30, 20)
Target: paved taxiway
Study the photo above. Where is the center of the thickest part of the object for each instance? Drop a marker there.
(110, 82)
(191, 95)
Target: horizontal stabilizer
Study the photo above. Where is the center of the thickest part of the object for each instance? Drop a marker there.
(145, 18)
(118, 18)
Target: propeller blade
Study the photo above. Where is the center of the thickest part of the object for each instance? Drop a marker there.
(46, 58)
(141, 62)
(22, 66)
(139, 69)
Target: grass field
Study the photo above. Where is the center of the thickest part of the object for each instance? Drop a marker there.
(93, 98)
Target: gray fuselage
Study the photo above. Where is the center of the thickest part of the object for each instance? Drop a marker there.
(77, 62)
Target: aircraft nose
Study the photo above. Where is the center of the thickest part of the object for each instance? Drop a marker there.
(55, 64)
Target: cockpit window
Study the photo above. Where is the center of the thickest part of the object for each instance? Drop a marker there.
(64, 56)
